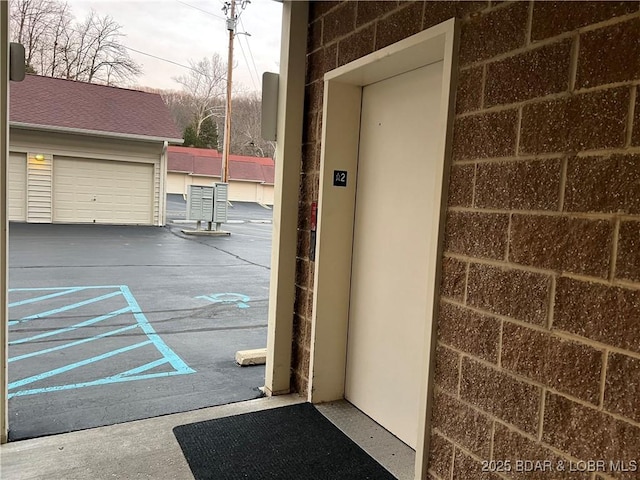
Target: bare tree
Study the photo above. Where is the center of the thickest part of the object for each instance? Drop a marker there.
(93, 52)
(33, 24)
(202, 97)
(180, 106)
(246, 138)
(205, 87)
(61, 26)
(178, 103)
(56, 45)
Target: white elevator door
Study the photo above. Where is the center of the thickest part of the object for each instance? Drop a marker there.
(400, 135)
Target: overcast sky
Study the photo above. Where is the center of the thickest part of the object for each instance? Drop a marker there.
(174, 31)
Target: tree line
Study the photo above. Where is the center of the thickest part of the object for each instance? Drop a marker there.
(57, 44)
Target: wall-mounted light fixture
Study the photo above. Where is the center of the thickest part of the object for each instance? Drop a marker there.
(16, 62)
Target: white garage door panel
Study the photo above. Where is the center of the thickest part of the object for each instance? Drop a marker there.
(242, 191)
(17, 186)
(93, 191)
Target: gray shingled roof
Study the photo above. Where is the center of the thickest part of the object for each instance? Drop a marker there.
(68, 104)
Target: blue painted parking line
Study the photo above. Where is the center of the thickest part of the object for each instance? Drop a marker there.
(120, 377)
(45, 297)
(230, 298)
(72, 366)
(72, 344)
(132, 308)
(175, 361)
(59, 331)
(55, 289)
(66, 308)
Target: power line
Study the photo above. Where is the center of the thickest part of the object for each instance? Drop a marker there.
(251, 54)
(149, 55)
(247, 63)
(171, 61)
(199, 72)
(203, 11)
(255, 69)
(254, 80)
(164, 59)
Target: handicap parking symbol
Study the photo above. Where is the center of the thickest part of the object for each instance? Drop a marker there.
(238, 299)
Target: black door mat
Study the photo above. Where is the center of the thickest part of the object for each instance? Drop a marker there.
(294, 442)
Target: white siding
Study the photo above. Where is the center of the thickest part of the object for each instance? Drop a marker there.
(86, 148)
(157, 189)
(17, 187)
(39, 188)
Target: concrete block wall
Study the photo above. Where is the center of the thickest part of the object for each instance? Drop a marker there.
(539, 331)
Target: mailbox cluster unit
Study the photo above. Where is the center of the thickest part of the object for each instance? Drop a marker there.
(208, 203)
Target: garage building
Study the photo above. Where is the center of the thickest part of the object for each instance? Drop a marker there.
(250, 179)
(86, 153)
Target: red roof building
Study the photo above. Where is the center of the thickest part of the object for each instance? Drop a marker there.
(208, 163)
(251, 179)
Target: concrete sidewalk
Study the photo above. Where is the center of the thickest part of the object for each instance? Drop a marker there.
(141, 449)
(147, 449)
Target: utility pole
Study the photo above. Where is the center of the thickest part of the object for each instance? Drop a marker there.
(230, 8)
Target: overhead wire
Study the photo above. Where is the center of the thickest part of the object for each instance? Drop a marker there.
(151, 55)
(157, 57)
(255, 81)
(247, 63)
(251, 54)
(163, 59)
(202, 10)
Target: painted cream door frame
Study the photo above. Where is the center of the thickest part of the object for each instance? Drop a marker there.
(4, 222)
(336, 209)
(285, 209)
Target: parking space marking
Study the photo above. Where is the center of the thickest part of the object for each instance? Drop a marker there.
(59, 331)
(127, 376)
(146, 327)
(44, 297)
(72, 366)
(229, 298)
(141, 322)
(66, 308)
(72, 344)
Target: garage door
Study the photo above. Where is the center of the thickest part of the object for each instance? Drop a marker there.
(94, 191)
(17, 187)
(242, 191)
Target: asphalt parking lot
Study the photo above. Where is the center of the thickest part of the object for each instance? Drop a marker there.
(111, 324)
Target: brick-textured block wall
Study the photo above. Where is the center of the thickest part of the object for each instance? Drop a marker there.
(538, 351)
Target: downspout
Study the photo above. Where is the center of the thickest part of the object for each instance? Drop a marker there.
(163, 184)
